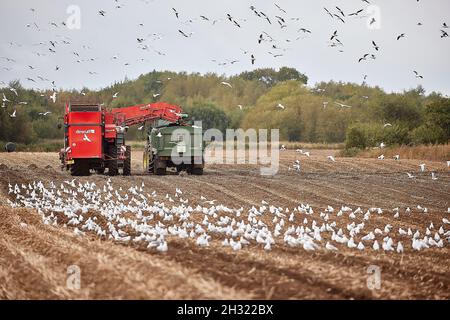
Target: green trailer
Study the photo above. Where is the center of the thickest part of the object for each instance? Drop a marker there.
(174, 146)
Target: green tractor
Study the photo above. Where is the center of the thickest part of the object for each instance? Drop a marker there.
(174, 146)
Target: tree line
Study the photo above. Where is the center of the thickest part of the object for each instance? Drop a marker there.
(330, 112)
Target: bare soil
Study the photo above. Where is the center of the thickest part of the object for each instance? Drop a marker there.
(34, 257)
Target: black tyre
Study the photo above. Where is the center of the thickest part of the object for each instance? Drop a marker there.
(79, 168)
(127, 162)
(157, 168)
(160, 171)
(100, 170)
(197, 171)
(113, 168)
(151, 164)
(10, 147)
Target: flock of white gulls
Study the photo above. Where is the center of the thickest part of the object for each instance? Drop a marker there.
(135, 216)
(296, 166)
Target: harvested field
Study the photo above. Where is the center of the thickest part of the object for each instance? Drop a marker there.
(432, 153)
(34, 256)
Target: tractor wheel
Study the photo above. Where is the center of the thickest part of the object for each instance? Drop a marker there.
(151, 166)
(127, 162)
(100, 170)
(197, 171)
(160, 171)
(145, 161)
(151, 163)
(79, 168)
(113, 168)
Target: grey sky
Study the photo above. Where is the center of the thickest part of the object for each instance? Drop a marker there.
(115, 34)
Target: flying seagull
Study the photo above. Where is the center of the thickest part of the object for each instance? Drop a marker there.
(184, 34)
(5, 99)
(279, 8)
(342, 105)
(176, 12)
(14, 90)
(375, 46)
(417, 75)
(53, 97)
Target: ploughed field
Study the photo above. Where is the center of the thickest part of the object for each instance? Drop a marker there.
(324, 232)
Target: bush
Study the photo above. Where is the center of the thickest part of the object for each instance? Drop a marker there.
(356, 137)
(428, 134)
(397, 134)
(40, 146)
(366, 135)
(46, 128)
(350, 152)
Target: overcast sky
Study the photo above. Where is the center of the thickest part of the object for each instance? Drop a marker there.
(111, 40)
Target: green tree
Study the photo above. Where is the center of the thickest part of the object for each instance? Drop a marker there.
(428, 134)
(210, 115)
(438, 113)
(272, 77)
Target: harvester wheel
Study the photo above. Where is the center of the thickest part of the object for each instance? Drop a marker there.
(127, 162)
(79, 168)
(113, 168)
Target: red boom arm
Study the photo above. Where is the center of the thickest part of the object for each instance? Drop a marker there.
(147, 112)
